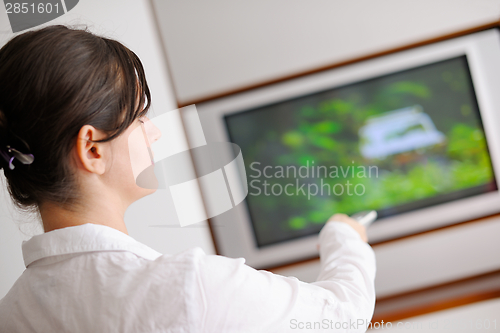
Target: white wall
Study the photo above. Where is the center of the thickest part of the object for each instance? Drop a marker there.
(131, 22)
(221, 45)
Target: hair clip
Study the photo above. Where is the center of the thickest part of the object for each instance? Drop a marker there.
(9, 154)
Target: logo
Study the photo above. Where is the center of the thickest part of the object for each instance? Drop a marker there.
(26, 14)
(219, 182)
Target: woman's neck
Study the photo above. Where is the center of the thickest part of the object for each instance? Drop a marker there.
(56, 217)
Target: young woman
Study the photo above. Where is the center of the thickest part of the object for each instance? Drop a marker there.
(68, 101)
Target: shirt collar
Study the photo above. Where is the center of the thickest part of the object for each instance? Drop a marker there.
(83, 238)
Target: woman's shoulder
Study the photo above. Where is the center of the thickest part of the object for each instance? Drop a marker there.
(196, 256)
(196, 262)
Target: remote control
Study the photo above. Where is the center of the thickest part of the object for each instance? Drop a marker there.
(365, 218)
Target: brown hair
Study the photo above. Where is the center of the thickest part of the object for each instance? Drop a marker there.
(52, 82)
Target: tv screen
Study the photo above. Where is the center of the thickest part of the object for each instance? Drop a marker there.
(394, 143)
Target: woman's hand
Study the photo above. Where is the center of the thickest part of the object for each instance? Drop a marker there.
(360, 229)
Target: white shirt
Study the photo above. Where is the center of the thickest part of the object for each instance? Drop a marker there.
(93, 278)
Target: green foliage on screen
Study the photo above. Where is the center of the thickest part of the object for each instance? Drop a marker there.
(324, 130)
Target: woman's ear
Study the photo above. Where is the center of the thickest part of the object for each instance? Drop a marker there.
(90, 154)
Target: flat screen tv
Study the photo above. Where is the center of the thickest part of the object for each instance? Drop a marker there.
(412, 135)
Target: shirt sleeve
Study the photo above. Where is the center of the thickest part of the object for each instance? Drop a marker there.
(238, 298)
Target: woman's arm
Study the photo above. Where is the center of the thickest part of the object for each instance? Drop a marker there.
(238, 298)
